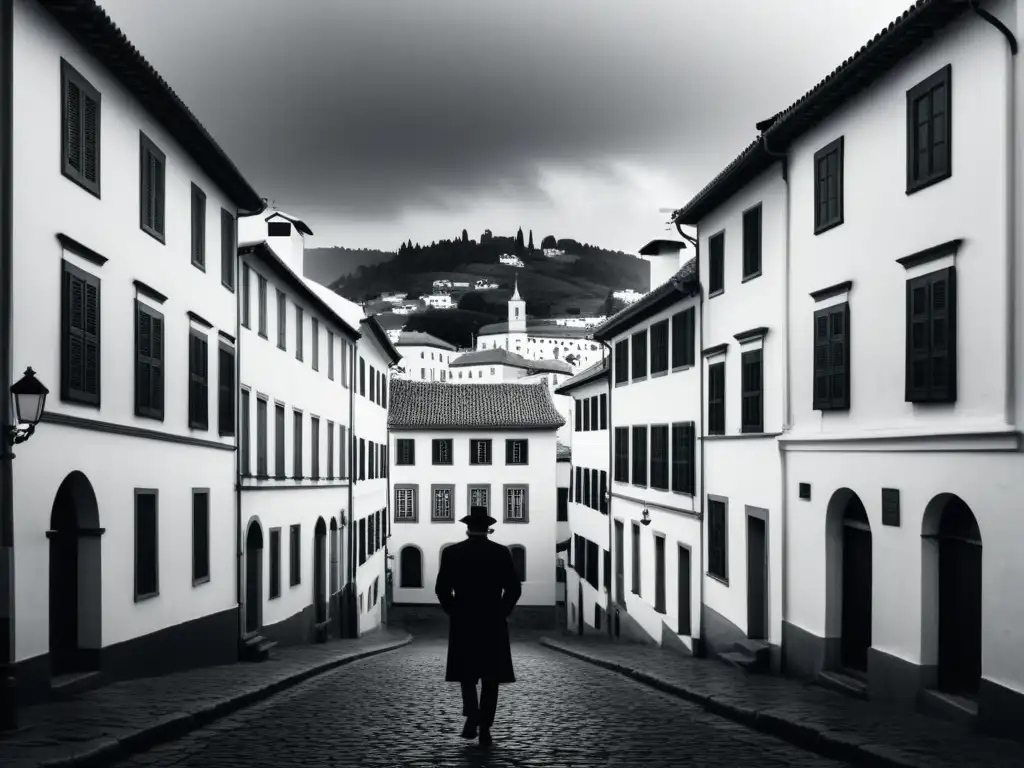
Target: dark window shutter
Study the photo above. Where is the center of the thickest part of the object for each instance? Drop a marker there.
(199, 390)
(226, 391)
(604, 411)
(198, 227)
(149, 371)
(716, 267)
(73, 126)
(227, 250)
(90, 139)
(435, 451)
(931, 374)
(80, 351)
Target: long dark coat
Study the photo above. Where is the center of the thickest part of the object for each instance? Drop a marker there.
(478, 587)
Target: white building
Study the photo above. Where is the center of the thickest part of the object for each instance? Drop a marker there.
(442, 284)
(484, 285)
(563, 481)
(393, 298)
(424, 357)
(489, 444)
(510, 260)
(123, 291)
(552, 252)
(627, 295)
(588, 578)
(437, 300)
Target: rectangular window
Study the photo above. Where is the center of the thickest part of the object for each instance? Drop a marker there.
(586, 488)
(684, 449)
(441, 502)
(586, 415)
(314, 446)
(659, 574)
(246, 295)
(362, 541)
(441, 451)
(832, 358)
(362, 458)
(604, 412)
(718, 562)
(373, 385)
(314, 339)
(149, 362)
(639, 455)
(152, 168)
(581, 406)
(279, 470)
(636, 559)
(603, 491)
(622, 361)
(659, 347)
(595, 501)
(362, 377)
(579, 484)
(198, 228)
(716, 399)
(226, 390)
(607, 558)
(659, 457)
(480, 496)
(405, 502)
(345, 352)
(480, 451)
(931, 349)
(261, 437)
(228, 249)
(716, 264)
(753, 397)
(80, 339)
(80, 129)
(517, 452)
(406, 451)
(200, 536)
(198, 381)
(752, 242)
(298, 333)
(929, 130)
(828, 186)
(275, 563)
(516, 504)
(683, 336)
(244, 438)
(639, 354)
(295, 554)
(593, 564)
(261, 294)
(622, 454)
(147, 547)
(562, 514)
(330, 450)
(282, 320)
(342, 452)
(330, 355)
(297, 445)
(594, 405)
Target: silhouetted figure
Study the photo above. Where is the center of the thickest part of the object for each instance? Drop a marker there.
(477, 586)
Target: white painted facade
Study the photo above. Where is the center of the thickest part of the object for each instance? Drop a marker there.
(628, 295)
(563, 480)
(437, 300)
(429, 536)
(425, 359)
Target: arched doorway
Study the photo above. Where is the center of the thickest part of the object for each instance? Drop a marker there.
(849, 579)
(952, 563)
(320, 571)
(253, 578)
(76, 594)
(410, 568)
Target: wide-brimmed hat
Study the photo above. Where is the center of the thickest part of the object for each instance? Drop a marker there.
(478, 516)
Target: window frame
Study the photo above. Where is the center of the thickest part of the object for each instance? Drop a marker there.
(228, 248)
(400, 444)
(439, 446)
(294, 555)
(639, 350)
(943, 77)
(716, 264)
(475, 444)
(148, 149)
(929, 394)
(717, 402)
(749, 358)
(683, 343)
(200, 579)
(663, 463)
(753, 247)
(69, 394)
(505, 490)
(274, 565)
(442, 488)
(660, 354)
(414, 490)
(723, 527)
(198, 241)
(622, 362)
(510, 446)
(827, 370)
(153, 410)
(638, 470)
(86, 90)
(198, 381)
(139, 595)
(832, 219)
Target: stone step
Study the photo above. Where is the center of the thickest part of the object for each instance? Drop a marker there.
(744, 661)
(256, 648)
(843, 683)
(67, 686)
(949, 706)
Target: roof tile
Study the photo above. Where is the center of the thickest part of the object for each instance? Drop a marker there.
(446, 406)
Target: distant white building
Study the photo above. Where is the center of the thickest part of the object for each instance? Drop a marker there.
(552, 252)
(485, 285)
(437, 300)
(460, 284)
(627, 295)
(510, 260)
(579, 322)
(442, 284)
(393, 298)
(424, 357)
(489, 444)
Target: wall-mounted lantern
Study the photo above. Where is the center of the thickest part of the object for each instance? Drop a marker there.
(645, 518)
(29, 404)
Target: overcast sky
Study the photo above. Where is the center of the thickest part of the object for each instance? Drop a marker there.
(382, 120)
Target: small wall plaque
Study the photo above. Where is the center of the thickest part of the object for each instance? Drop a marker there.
(805, 491)
(891, 507)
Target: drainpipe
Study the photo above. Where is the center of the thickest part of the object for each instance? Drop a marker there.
(1011, 222)
(351, 608)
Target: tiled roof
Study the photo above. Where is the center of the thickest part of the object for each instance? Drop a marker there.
(875, 58)
(444, 406)
(100, 36)
(562, 452)
(660, 298)
(496, 356)
(592, 373)
(550, 365)
(538, 328)
(421, 339)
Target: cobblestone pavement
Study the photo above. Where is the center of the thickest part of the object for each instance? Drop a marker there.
(396, 710)
(807, 714)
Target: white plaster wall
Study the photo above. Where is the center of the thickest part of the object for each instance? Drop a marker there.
(423, 363)
(485, 373)
(535, 347)
(538, 536)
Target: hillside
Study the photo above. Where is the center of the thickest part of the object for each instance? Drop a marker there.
(326, 265)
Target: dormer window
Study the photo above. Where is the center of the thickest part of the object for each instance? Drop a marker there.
(279, 229)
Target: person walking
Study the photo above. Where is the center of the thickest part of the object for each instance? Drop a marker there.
(478, 587)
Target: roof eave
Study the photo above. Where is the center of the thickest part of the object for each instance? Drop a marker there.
(657, 300)
(382, 339)
(571, 385)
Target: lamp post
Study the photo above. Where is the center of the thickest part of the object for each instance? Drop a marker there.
(29, 395)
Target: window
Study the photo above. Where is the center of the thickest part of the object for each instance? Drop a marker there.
(592, 567)
(198, 228)
(226, 390)
(405, 503)
(479, 496)
(752, 242)
(282, 320)
(441, 502)
(80, 131)
(362, 458)
(147, 557)
(80, 337)
(314, 338)
(314, 446)
(581, 406)
(344, 363)
(342, 452)
(441, 451)
(362, 377)
(330, 355)
(228, 249)
(362, 541)
(593, 412)
(261, 436)
(517, 452)
(518, 553)
(149, 362)
(604, 411)
(832, 358)
(279, 471)
(752, 415)
(929, 131)
(373, 385)
(406, 453)
(586, 488)
(516, 504)
(152, 164)
(262, 304)
(586, 415)
(479, 451)
(716, 264)
(659, 457)
(683, 338)
(297, 445)
(295, 554)
(636, 559)
(659, 347)
(198, 381)
(622, 361)
(595, 501)
(659, 574)
(603, 491)
(200, 536)
(298, 332)
(828, 186)
(579, 485)
(718, 564)
(330, 450)
(244, 438)
(607, 558)
(639, 455)
(931, 354)
(275, 563)
(621, 454)
(716, 399)
(639, 355)
(410, 568)
(684, 449)
(246, 295)
(563, 505)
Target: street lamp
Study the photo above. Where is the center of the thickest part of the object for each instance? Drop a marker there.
(29, 403)
(645, 518)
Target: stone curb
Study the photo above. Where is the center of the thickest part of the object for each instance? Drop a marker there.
(107, 750)
(838, 745)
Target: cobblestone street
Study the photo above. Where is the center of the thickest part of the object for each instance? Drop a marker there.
(395, 710)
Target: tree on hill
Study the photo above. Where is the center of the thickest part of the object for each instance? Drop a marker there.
(486, 237)
(530, 246)
(465, 237)
(456, 326)
(475, 302)
(520, 247)
(549, 242)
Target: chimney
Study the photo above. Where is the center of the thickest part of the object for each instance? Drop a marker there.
(665, 258)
